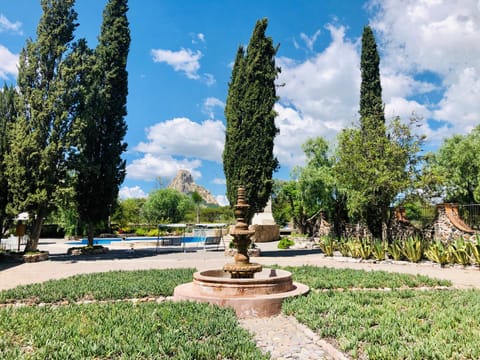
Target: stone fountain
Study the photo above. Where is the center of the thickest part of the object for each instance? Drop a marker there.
(249, 289)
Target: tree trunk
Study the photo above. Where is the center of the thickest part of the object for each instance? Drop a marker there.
(90, 234)
(32, 243)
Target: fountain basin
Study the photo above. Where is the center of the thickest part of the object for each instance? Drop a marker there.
(261, 296)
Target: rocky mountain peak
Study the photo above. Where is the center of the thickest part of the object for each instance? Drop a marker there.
(184, 183)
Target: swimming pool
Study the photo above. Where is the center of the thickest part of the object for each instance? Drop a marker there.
(110, 241)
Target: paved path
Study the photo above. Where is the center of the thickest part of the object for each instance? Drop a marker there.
(282, 336)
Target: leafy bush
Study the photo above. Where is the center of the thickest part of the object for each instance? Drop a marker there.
(285, 243)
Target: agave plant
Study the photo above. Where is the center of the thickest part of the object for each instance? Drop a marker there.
(459, 252)
(413, 249)
(354, 246)
(395, 250)
(327, 245)
(475, 249)
(379, 251)
(343, 247)
(365, 248)
(437, 252)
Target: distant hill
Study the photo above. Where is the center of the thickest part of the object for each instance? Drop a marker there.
(184, 183)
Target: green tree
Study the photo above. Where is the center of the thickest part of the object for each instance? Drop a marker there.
(457, 159)
(197, 200)
(313, 190)
(7, 117)
(166, 206)
(248, 158)
(36, 163)
(100, 169)
(373, 166)
(129, 212)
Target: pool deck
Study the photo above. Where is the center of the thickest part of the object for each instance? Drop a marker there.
(146, 256)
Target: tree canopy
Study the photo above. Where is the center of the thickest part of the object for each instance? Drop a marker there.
(166, 206)
(375, 162)
(248, 158)
(7, 117)
(99, 166)
(36, 162)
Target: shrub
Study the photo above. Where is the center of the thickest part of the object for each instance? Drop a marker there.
(343, 247)
(437, 252)
(413, 249)
(395, 250)
(285, 243)
(327, 245)
(379, 251)
(459, 252)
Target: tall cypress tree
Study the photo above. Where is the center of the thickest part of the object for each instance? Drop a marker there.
(100, 169)
(36, 163)
(373, 132)
(233, 115)
(372, 168)
(7, 117)
(248, 157)
(371, 103)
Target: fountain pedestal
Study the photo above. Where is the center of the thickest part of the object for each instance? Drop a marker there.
(246, 287)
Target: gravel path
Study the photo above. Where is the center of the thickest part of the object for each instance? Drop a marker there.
(285, 338)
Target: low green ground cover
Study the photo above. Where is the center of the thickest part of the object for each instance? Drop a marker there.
(168, 330)
(328, 278)
(401, 324)
(101, 286)
(360, 320)
(118, 330)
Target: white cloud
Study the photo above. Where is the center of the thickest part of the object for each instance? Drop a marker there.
(7, 25)
(210, 104)
(185, 138)
(209, 79)
(218, 181)
(151, 167)
(8, 63)
(184, 60)
(175, 145)
(320, 96)
(460, 105)
(201, 37)
(222, 200)
(310, 41)
(131, 192)
(419, 38)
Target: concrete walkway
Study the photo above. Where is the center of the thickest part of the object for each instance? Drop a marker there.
(61, 265)
(282, 336)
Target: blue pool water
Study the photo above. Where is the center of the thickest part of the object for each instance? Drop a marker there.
(108, 241)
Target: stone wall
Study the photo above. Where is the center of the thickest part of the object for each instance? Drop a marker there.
(265, 233)
(448, 225)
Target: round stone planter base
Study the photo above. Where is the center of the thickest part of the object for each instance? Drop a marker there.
(40, 256)
(261, 296)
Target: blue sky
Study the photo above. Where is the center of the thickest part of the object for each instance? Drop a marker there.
(182, 52)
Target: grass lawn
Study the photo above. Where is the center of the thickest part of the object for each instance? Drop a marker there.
(356, 314)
